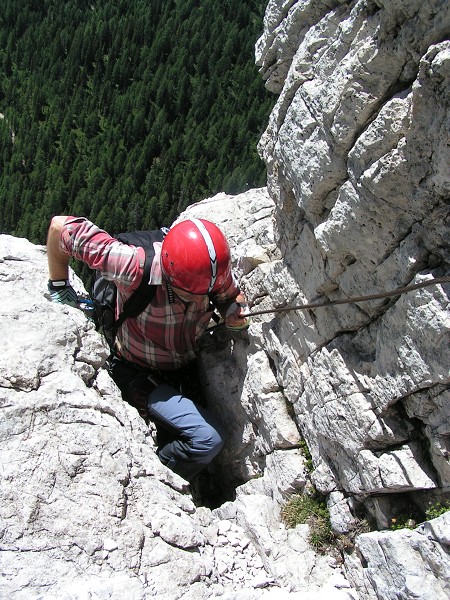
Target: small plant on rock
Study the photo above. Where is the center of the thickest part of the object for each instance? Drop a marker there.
(312, 510)
(402, 522)
(436, 510)
(307, 454)
(412, 516)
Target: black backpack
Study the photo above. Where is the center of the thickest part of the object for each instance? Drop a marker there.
(104, 292)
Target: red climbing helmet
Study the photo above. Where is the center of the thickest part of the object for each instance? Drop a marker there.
(195, 256)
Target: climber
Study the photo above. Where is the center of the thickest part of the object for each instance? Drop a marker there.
(192, 272)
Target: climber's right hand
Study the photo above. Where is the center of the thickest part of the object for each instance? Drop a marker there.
(61, 291)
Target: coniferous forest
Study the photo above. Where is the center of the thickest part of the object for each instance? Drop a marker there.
(126, 111)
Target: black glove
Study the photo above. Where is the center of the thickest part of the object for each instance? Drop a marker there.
(61, 291)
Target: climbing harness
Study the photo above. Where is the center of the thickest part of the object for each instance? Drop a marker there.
(355, 299)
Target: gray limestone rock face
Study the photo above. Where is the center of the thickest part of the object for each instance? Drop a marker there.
(359, 171)
(408, 563)
(86, 508)
(359, 168)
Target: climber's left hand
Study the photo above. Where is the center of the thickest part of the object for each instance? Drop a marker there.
(62, 292)
(236, 316)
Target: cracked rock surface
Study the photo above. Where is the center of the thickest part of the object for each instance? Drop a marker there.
(86, 508)
(358, 167)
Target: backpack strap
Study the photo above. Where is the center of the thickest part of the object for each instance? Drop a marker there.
(140, 299)
(143, 294)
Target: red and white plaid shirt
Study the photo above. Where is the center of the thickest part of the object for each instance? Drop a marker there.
(164, 336)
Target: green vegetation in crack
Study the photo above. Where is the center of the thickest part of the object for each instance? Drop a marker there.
(307, 455)
(312, 510)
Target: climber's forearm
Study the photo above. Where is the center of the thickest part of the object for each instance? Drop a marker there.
(58, 261)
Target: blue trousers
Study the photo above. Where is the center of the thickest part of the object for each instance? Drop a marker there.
(195, 440)
(188, 439)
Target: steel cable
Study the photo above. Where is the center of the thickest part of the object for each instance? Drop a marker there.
(355, 299)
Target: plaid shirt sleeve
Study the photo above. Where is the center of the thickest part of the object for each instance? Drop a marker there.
(225, 296)
(119, 262)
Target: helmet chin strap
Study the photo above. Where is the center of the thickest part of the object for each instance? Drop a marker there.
(211, 251)
(170, 292)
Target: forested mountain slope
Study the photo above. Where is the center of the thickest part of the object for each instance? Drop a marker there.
(126, 111)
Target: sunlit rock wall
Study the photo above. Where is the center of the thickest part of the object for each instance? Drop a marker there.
(86, 508)
(357, 150)
(359, 173)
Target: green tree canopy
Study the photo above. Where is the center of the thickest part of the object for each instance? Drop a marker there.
(126, 111)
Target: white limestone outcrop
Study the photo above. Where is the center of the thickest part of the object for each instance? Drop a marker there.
(359, 169)
(86, 508)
